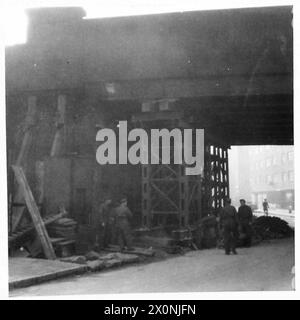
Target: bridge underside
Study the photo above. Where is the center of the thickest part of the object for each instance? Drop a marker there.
(228, 72)
(231, 69)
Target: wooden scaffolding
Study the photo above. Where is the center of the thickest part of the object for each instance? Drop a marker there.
(169, 196)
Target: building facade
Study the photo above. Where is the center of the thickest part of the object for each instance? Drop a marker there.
(264, 172)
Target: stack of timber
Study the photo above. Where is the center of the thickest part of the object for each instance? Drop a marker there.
(64, 231)
(64, 227)
(18, 236)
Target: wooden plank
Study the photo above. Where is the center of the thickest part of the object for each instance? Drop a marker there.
(17, 213)
(60, 122)
(48, 220)
(65, 242)
(135, 250)
(29, 123)
(172, 88)
(34, 213)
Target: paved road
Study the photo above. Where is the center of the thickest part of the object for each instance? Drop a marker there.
(280, 213)
(263, 267)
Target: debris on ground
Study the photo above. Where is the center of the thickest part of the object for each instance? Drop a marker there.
(103, 261)
(149, 252)
(174, 250)
(95, 265)
(126, 258)
(111, 260)
(163, 244)
(271, 228)
(204, 236)
(92, 255)
(75, 259)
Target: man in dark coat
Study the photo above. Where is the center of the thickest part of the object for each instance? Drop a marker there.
(123, 232)
(245, 216)
(229, 226)
(266, 207)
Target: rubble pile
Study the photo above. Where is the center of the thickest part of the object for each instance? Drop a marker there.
(271, 228)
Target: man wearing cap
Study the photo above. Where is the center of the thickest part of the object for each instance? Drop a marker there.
(229, 226)
(245, 216)
(123, 216)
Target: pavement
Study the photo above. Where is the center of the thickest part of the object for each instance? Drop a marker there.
(27, 271)
(265, 267)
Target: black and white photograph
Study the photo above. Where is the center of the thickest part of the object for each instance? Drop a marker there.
(149, 149)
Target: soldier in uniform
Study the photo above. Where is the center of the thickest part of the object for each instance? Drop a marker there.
(123, 216)
(245, 216)
(229, 226)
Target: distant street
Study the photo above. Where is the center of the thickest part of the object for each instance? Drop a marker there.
(266, 266)
(280, 213)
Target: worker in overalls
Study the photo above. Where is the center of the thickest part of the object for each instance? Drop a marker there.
(123, 230)
(229, 226)
(245, 216)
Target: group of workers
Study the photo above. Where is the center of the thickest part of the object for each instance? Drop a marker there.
(114, 224)
(233, 223)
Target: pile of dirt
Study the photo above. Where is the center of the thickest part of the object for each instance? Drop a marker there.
(271, 228)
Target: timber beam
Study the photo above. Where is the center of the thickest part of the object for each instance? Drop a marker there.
(216, 86)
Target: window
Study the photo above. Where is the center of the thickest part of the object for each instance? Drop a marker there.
(268, 162)
(291, 175)
(274, 160)
(262, 164)
(269, 178)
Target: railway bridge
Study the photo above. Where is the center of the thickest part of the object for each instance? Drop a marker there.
(228, 72)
